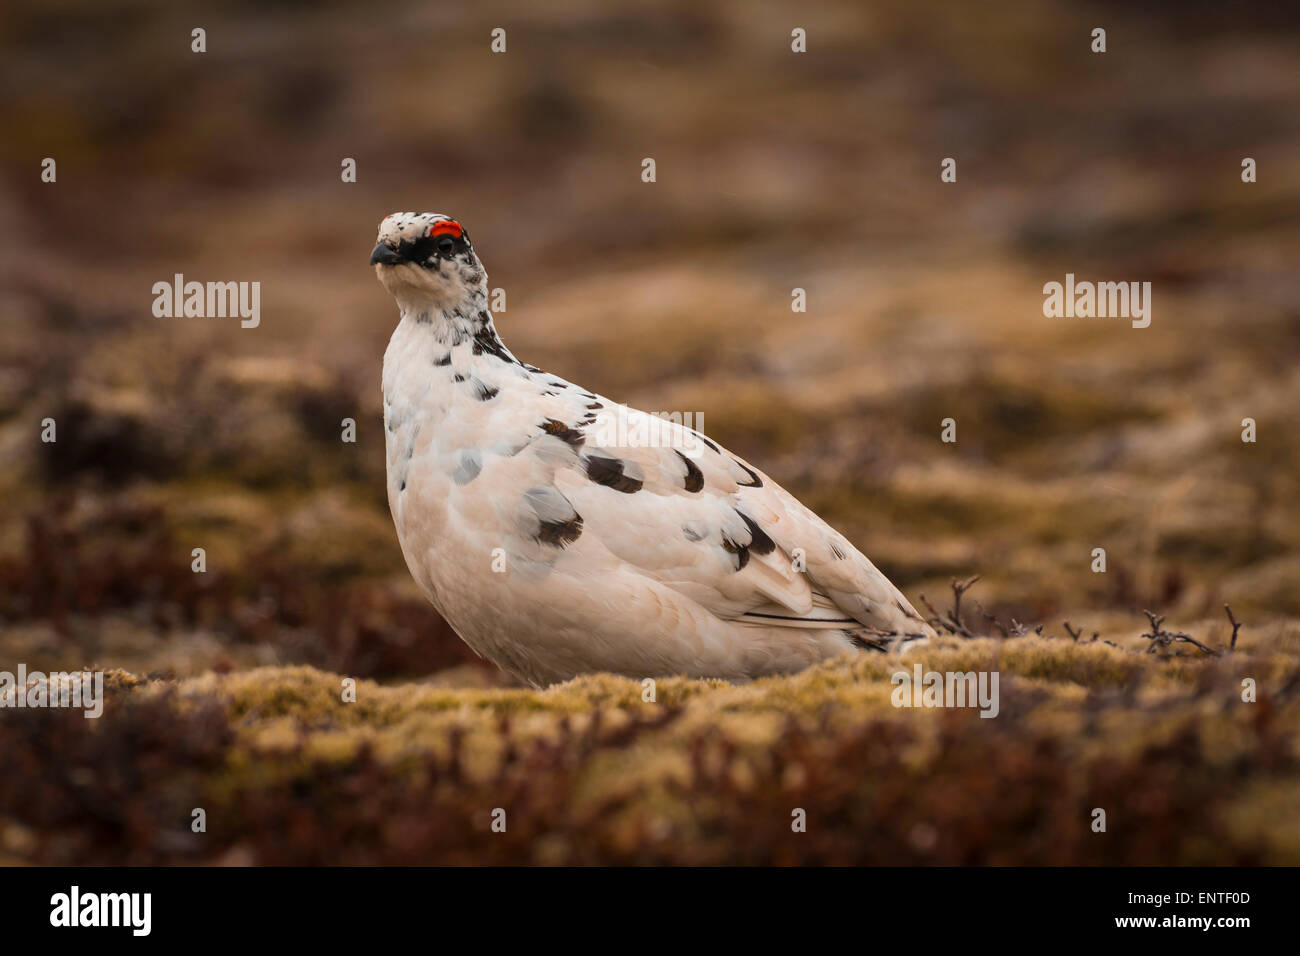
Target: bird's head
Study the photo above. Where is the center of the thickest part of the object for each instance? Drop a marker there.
(426, 261)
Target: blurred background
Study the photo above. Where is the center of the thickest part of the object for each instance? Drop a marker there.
(775, 170)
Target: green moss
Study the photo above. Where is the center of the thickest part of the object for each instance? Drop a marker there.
(589, 771)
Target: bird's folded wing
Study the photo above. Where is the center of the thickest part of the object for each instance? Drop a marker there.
(686, 513)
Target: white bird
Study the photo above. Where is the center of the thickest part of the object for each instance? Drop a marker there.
(557, 542)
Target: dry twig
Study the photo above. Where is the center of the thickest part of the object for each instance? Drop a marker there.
(992, 619)
(1160, 638)
(958, 589)
(1236, 626)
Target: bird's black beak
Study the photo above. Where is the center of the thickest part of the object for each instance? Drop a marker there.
(383, 255)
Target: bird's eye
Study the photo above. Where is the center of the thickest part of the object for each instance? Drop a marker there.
(446, 245)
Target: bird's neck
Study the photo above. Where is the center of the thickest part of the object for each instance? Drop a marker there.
(466, 324)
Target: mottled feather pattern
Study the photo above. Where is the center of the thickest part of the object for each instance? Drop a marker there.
(555, 546)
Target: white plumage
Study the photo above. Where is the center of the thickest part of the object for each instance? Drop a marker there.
(554, 547)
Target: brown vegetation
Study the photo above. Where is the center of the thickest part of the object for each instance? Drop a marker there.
(775, 171)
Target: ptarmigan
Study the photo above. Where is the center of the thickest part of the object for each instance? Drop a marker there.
(556, 541)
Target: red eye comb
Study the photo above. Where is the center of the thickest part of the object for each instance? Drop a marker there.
(446, 227)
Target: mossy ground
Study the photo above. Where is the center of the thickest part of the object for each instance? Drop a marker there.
(707, 773)
(776, 171)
